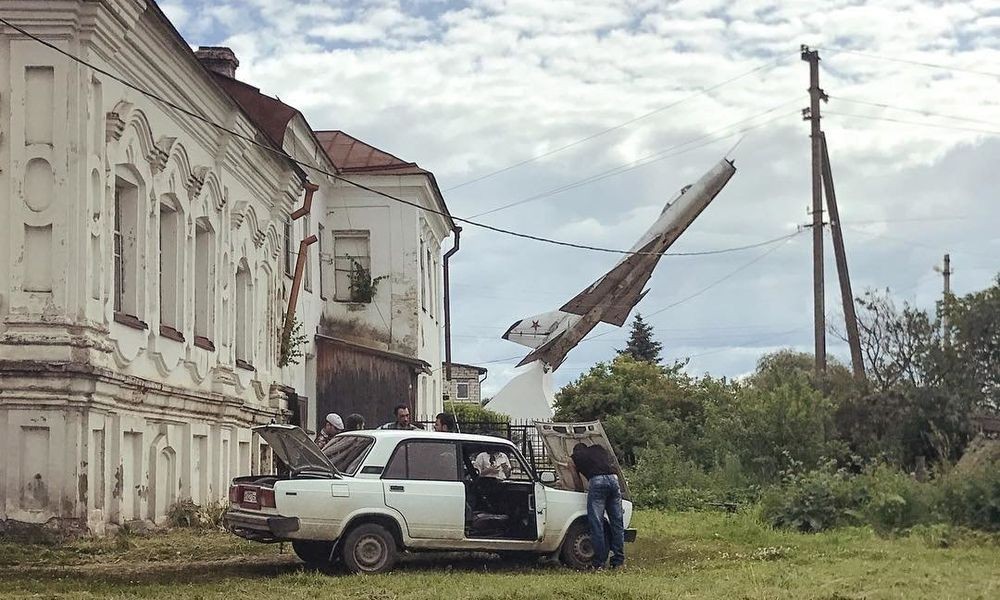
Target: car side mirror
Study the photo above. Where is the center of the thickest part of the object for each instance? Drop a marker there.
(548, 477)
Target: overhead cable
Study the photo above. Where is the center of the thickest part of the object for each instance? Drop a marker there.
(905, 122)
(918, 63)
(918, 111)
(284, 155)
(651, 158)
(593, 136)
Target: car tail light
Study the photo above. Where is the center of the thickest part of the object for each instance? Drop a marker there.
(234, 494)
(266, 498)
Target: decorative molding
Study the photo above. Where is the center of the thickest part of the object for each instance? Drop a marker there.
(114, 127)
(159, 153)
(196, 181)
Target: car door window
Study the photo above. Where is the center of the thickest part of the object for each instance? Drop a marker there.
(496, 455)
(424, 461)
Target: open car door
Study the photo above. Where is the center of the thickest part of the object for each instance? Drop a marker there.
(559, 440)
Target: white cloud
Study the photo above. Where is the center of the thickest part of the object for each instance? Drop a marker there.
(466, 90)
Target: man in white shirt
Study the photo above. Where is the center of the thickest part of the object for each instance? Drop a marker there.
(495, 465)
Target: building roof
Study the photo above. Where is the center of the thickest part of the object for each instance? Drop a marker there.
(350, 154)
(270, 115)
(477, 368)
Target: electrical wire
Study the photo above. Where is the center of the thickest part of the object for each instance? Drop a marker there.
(918, 111)
(905, 122)
(726, 277)
(722, 279)
(909, 62)
(593, 136)
(650, 158)
(284, 155)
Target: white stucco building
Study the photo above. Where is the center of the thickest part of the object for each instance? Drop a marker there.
(147, 264)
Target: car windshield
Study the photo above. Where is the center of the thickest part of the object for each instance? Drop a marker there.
(347, 451)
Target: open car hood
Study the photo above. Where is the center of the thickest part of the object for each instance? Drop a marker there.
(296, 450)
(559, 439)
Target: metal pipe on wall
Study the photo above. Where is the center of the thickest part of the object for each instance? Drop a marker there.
(447, 304)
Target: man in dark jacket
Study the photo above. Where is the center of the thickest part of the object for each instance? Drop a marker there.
(604, 494)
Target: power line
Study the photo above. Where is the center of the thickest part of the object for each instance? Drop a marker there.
(681, 301)
(593, 136)
(918, 123)
(728, 276)
(914, 110)
(911, 62)
(281, 153)
(649, 158)
(916, 244)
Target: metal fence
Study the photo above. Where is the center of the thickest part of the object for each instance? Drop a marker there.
(522, 432)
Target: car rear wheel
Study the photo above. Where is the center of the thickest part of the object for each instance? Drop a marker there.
(369, 548)
(577, 550)
(312, 551)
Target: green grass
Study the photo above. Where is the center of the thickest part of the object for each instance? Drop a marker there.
(679, 555)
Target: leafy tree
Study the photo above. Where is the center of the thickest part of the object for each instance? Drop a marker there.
(780, 416)
(641, 345)
(924, 390)
(974, 325)
(640, 404)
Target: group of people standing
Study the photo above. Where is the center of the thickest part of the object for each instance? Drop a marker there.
(334, 424)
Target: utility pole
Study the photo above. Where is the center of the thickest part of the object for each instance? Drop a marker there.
(846, 294)
(812, 114)
(946, 273)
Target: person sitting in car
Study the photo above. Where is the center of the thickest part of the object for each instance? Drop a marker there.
(495, 465)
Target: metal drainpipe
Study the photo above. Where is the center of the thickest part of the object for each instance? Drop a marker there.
(447, 305)
(485, 375)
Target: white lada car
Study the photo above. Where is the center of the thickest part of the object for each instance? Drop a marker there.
(383, 492)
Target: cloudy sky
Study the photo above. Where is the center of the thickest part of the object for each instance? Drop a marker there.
(620, 105)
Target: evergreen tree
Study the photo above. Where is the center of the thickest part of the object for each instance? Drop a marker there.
(641, 345)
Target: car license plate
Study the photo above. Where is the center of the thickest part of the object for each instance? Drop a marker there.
(250, 496)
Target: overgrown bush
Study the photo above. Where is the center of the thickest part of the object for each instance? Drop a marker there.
(185, 513)
(886, 499)
(894, 501)
(971, 498)
(664, 478)
(812, 501)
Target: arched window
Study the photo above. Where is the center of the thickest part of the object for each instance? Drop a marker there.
(128, 243)
(171, 269)
(243, 311)
(204, 284)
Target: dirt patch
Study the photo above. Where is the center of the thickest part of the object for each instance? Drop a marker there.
(164, 571)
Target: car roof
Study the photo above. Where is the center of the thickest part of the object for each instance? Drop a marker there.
(399, 434)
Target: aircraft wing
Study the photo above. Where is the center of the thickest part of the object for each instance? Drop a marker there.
(609, 288)
(537, 330)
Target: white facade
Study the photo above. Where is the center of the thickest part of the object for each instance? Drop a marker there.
(142, 278)
(406, 315)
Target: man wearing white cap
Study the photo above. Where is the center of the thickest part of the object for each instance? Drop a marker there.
(331, 427)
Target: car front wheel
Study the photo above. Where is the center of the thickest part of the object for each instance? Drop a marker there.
(369, 548)
(313, 552)
(577, 550)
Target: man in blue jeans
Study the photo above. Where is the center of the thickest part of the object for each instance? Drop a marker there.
(604, 495)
